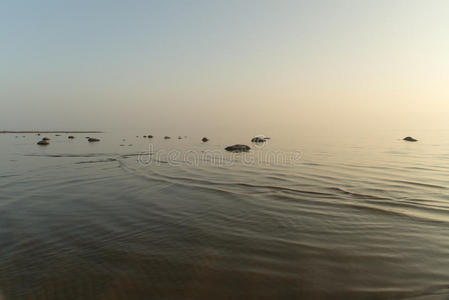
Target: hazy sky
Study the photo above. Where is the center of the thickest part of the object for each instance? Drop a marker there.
(224, 65)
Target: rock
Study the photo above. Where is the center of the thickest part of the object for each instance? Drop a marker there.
(43, 142)
(258, 139)
(204, 139)
(150, 136)
(167, 137)
(122, 145)
(71, 137)
(144, 136)
(238, 148)
(38, 134)
(410, 139)
(91, 140)
(179, 137)
(57, 134)
(45, 139)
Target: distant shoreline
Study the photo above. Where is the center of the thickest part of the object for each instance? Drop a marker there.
(50, 131)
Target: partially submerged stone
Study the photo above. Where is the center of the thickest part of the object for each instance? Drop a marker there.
(71, 137)
(258, 139)
(410, 139)
(167, 137)
(93, 140)
(238, 148)
(204, 139)
(45, 139)
(43, 142)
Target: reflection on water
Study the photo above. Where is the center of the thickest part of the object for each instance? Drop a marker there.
(350, 218)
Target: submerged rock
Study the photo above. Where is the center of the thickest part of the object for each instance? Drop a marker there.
(179, 137)
(90, 140)
(410, 139)
(45, 139)
(238, 148)
(43, 142)
(204, 139)
(150, 136)
(71, 137)
(167, 137)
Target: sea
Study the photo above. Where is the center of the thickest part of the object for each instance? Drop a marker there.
(296, 217)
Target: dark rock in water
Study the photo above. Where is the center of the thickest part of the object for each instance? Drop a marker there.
(43, 142)
(238, 148)
(122, 145)
(204, 139)
(71, 137)
(258, 139)
(38, 134)
(150, 136)
(45, 139)
(144, 136)
(410, 139)
(93, 140)
(57, 134)
(179, 137)
(167, 137)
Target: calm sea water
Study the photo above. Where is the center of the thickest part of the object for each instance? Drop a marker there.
(313, 217)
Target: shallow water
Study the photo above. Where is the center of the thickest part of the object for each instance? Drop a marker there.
(313, 217)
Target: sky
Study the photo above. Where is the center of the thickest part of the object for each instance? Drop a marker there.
(224, 66)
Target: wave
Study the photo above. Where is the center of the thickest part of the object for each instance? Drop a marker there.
(97, 161)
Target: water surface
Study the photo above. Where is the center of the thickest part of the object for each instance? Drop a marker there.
(310, 217)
